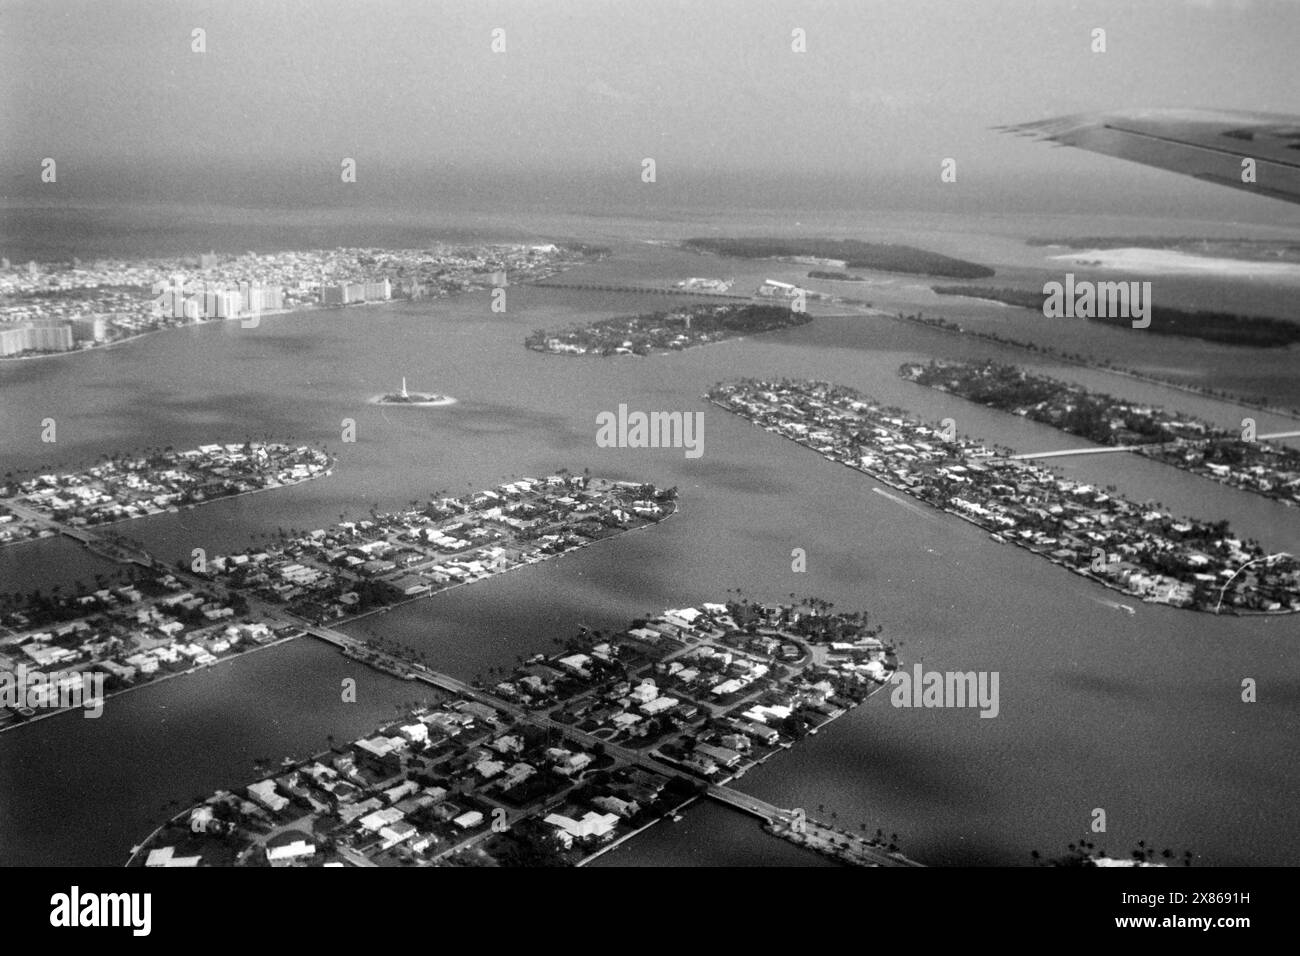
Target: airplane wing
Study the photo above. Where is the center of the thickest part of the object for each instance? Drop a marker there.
(1209, 145)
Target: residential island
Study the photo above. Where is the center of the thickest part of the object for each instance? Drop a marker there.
(163, 622)
(1136, 549)
(136, 485)
(357, 567)
(118, 636)
(1175, 439)
(566, 756)
(672, 330)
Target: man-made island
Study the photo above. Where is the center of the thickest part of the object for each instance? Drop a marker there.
(161, 623)
(69, 650)
(1175, 439)
(404, 397)
(571, 753)
(844, 254)
(673, 330)
(1136, 549)
(133, 486)
(357, 567)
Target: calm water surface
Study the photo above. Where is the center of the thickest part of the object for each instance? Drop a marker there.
(1137, 714)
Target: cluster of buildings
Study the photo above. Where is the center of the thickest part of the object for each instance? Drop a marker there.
(15, 528)
(672, 330)
(1256, 466)
(1133, 548)
(348, 293)
(355, 566)
(130, 634)
(52, 334)
(700, 284)
(459, 782)
(483, 778)
(1179, 440)
(133, 487)
(53, 307)
(775, 289)
(712, 689)
(211, 299)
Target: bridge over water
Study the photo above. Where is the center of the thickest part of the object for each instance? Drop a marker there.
(1111, 449)
(790, 825)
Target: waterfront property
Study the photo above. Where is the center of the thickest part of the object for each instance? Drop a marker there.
(160, 624)
(570, 754)
(1130, 547)
(54, 307)
(148, 483)
(1176, 439)
(122, 635)
(359, 566)
(673, 330)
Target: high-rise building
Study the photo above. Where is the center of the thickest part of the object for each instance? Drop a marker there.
(378, 291)
(346, 293)
(221, 304)
(39, 335)
(13, 340)
(263, 298)
(89, 328)
(333, 294)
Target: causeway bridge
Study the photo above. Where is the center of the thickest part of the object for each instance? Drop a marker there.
(642, 290)
(791, 825)
(1111, 449)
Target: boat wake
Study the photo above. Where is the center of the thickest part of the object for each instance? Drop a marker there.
(915, 509)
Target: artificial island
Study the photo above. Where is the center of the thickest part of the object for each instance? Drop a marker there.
(1134, 548)
(1175, 438)
(568, 755)
(404, 397)
(161, 622)
(673, 330)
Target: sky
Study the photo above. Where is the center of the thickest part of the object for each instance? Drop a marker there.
(587, 89)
